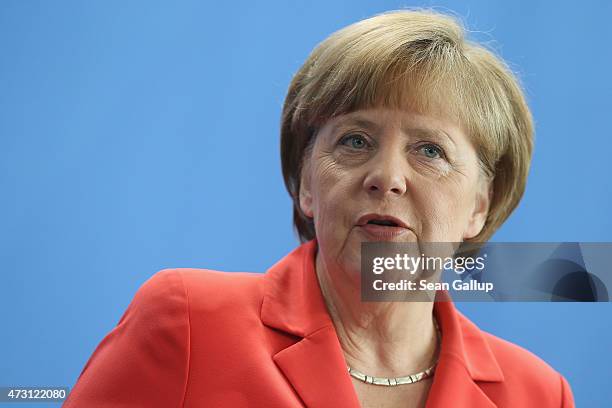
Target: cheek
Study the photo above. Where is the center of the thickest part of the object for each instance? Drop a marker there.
(444, 209)
(334, 201)
(331, 185)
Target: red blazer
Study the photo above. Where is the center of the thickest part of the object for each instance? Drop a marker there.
(201, 338)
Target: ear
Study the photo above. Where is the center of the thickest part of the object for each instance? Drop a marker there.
(305, 189)
(482, 202)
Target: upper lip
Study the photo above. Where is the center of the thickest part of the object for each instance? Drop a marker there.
(381, 217)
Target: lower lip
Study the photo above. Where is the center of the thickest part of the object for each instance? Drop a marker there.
(382, 233)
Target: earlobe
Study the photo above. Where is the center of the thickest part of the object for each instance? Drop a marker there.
(306, 202)
(305, 195)
(480, 213)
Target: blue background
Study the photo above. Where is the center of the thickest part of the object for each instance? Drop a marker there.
(137, 136)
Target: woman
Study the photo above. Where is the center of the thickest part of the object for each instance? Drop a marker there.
(395, 129)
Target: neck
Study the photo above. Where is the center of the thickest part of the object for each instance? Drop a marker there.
(378, 338)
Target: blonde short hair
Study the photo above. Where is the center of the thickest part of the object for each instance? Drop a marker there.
(418, 60)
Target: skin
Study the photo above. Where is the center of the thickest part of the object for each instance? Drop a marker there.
(422, 169)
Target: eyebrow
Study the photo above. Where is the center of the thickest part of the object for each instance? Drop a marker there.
(418, 131)
(359, 121)
(430, 134)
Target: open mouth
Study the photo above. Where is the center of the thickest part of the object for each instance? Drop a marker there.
(386, 223)
(383, 227)
(376, 221)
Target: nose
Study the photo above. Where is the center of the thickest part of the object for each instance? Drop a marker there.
(387, 175)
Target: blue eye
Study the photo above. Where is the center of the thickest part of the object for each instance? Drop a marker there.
(431, 151)
(355, 141)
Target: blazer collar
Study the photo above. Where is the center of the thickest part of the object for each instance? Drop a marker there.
(315, 364)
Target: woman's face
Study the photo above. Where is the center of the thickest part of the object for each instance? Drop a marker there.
(420, 169)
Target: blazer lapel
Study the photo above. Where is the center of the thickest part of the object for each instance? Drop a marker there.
(316, 368)
(465, 360)
(315, 364)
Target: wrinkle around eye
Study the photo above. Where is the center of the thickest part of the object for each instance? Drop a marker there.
(438, 167)
(327, 167)
(346, 156)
